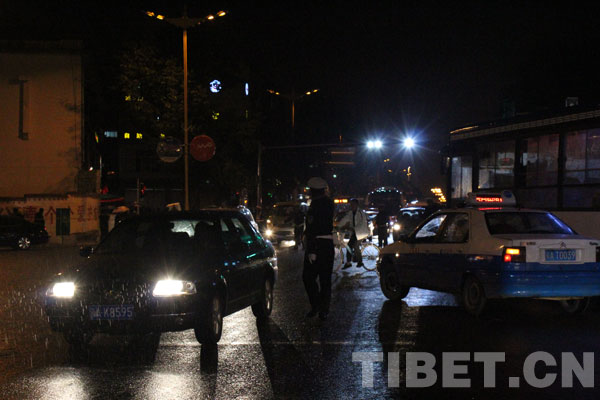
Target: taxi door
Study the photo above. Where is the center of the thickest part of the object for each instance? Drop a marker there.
(450, 252)
(422, 252)
(235, 266)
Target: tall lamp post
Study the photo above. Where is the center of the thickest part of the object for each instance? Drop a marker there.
(293, 97)
(185, 23)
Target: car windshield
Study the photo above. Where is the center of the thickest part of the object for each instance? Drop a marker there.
(149, 236)
(525, 222)
(284, 211)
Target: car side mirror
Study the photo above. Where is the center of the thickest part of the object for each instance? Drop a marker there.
(86, 251)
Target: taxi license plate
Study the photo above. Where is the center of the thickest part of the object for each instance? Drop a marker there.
(561, 255)
(111, 312)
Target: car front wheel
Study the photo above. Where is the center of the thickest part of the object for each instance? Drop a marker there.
(473, 296)
(210, 328)
(264, 307)
(22, 243)
(391, 285)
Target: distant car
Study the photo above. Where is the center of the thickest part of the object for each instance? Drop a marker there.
(388, 198)
(168, 272)
(489, 251)
(19, 233)
(280, 221)
(406, 221)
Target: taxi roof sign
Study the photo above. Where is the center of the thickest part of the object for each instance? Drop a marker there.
(505, 198)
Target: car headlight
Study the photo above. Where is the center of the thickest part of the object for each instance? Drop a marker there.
(62, 289)
(397, 227)
(269, 232)
(172, 287)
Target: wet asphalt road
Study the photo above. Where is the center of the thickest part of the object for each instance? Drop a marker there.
(290, 356)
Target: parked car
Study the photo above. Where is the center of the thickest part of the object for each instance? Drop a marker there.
(491, 251)
(19, 233)
(167, 272)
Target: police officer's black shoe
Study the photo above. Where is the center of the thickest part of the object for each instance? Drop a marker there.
(347, 265)
(323, 315)
(312, 313)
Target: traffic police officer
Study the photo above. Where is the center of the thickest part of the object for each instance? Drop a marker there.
(318, 255)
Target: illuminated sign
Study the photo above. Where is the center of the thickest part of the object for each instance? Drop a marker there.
(215, 86)
(246, 89)
(481, 199)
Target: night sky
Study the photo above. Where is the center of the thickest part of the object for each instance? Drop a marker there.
(383, 68)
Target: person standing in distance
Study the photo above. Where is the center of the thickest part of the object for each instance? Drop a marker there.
(355, 220)
(319, 252)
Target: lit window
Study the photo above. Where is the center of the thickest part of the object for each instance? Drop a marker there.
(127, 135)
(128, 97)
(138, 135)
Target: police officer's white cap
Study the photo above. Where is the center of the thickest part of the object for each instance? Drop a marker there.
(317, 183)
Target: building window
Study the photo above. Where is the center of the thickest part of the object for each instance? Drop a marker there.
(462, 172)
(496, 165)
(582, 157)
(540, 160)
(110, 134)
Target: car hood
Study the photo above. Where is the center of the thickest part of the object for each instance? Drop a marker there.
(134, 268)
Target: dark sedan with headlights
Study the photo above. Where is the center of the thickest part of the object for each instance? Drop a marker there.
(167, 272)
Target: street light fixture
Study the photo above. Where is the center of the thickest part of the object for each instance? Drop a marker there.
(408, 143)
(185, 23)
(374, 144)
(293, 98)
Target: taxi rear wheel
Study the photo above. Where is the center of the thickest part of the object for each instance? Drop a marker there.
(473, 296)
(575, 306)
(390, 284)
(209, 330)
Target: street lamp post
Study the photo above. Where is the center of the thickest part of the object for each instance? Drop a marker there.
(293, 98)
(185, 23)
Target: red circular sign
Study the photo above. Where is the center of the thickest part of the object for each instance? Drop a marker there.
(202, 148)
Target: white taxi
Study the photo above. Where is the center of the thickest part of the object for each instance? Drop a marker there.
(490, 249)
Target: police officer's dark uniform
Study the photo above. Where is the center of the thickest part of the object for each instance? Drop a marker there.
(319, 252)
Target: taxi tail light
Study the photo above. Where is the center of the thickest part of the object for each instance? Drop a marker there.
(514, 254)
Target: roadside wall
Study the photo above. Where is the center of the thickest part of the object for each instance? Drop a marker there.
(69, 219)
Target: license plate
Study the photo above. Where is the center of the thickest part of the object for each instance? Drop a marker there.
(112, 312)
(561, 255)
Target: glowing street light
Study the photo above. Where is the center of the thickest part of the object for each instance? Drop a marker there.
(293, 98)
(374, 144)
(408, 143)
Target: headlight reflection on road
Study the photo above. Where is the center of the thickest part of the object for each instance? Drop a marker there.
(163, 386)
(66, 386)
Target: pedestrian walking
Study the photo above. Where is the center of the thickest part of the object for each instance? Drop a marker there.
(355, 220)
(318, 255)
(382, 221)
(38, 220)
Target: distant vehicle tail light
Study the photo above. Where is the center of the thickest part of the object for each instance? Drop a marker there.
(514, 254)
